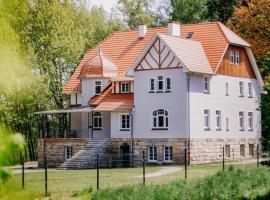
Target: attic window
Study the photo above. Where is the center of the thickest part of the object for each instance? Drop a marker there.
(189, 35)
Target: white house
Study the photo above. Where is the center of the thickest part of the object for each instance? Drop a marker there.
(162, 90)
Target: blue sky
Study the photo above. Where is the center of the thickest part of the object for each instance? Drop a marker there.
(107, 4)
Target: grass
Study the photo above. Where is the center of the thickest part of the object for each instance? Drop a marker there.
(76, 183)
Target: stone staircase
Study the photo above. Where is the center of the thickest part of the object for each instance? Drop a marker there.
(87, 157)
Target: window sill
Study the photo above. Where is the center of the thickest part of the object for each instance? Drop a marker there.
(159, 129)
(207, 129)
(241, 96)
(227, 130)
(167, 161)
(168, 91)
(159, 91)
(152, 161)
(97, 129)
(206, 92)
(250, 97)
(124, 129)
(151, 92)
(241, 129)
(218, 129)
(250, 129)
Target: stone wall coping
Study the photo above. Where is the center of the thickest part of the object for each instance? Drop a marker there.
(63, 140)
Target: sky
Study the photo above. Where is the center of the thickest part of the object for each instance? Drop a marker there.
(107, 4)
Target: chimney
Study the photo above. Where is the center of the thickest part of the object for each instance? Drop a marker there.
(142, 30)
(174, 28)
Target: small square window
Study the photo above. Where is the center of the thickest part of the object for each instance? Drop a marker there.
(125, 87)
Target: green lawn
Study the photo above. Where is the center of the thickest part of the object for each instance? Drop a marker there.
(63, 183)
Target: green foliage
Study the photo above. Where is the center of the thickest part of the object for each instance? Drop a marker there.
(188, 11)
(136, 12)
(231, 184)
(219, 10)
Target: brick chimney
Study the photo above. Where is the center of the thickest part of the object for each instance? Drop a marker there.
(142, 30)
(174, 28)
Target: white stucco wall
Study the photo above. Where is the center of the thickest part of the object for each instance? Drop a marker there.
(115, 126)
(229, 106)
(175, 102)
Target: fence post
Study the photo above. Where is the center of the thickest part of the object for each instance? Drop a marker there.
(97, 171)
(143, 168)
(258, 154)
(22, 163)
(185, 163)
(46, 169)
(223, 159)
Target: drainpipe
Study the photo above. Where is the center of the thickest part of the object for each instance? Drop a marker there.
(131, 136)
(188, 116)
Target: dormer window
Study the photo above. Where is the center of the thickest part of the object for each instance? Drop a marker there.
(232, 56)
(237, 57)
(97, 87)
(125, 87)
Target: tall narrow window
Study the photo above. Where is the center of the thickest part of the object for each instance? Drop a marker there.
(168, 153)
(227, 124)
(250, 121)
(251, 149)
(250, 89)
(160, 119)
(97, 120)
(206, 86)
(160, 83)
(227, 88)
(218, 120)
(241, 121)
(97, 87)
(232, 56)
(168, 84)
(125, 121)
(68, 152)
(237, 57)
(124, 87)
(152, 153)
(241, 88)
(227, 151)
(242, 150)
(151, 85)
(206, 119)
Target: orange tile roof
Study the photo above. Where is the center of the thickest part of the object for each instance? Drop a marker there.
(123, 47)
(110, 101)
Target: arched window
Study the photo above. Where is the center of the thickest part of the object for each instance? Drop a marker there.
(160, 119)
(97, 120)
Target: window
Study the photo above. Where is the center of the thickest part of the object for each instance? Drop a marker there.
(97, 87)
(232, 56)
(168, 153)
(152, 85)
(206, 86)
(237, 57)
(218, 120)
(242, 150)
(241, 88)
(250, 121)
(251, 149)
(241, 121)
(227, 124)
(160, 119)
(168, 84)
(68, 152)
(124, 87)
(152, 153)
(250, 89)
(227, 89)
(125, 121)
(206, 119)
(97, 120)
(227, 151)
(160, 83)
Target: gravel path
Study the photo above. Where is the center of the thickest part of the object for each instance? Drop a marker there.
(163, 171)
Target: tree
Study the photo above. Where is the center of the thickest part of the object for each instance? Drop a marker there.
(219, 10)
(188, 11)
(136, 12)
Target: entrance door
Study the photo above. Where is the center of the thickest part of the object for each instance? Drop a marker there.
(125, 155)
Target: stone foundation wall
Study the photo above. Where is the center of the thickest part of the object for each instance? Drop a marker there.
(210, 150)
(55, 149)
(140, 145)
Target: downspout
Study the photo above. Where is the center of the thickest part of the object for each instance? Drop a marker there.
(188, 117)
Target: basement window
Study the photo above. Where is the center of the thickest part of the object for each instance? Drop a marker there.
(68, 152)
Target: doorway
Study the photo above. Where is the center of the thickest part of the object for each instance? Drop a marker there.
(125, 155)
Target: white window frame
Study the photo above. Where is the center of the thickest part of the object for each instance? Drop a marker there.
(218, 120)
(124, 87)
(242, 150)
(98, 117)
(227, 124)
(95, 87)
(155, 119)
(250, 92)
(227, 88)
(168, 86)
(237, 57)
(151, 83)
(68, 152)
(152, 150)
(206, 115)
(162, 81)
(169, 157)
(241, 117)
(206, 85)
(250, 121)
(127, 121)
(232, 56)
(241, 89)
